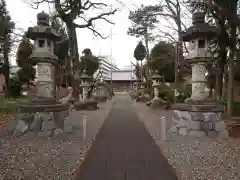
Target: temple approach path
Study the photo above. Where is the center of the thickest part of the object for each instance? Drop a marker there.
(124, 150)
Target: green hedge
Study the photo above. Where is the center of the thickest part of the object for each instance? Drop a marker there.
(235, 106)
(11, 105)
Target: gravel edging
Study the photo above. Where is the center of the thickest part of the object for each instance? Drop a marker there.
(201, 159)
(33, 158)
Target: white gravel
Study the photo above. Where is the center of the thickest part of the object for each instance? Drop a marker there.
(33, 158)
(193, 159)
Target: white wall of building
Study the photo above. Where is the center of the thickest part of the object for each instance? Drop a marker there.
(106, 63)
(123, 75)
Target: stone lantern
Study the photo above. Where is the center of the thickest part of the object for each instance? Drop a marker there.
(198, 117)
(86, 84)
(102, 94)
(101, 88)
(42, 113)
(156, 101)
(199, 36)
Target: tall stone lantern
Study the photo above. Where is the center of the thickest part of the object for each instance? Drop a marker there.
(86, 84)
(199, 36)
(41, 114)
(156, 101)
(198, 117)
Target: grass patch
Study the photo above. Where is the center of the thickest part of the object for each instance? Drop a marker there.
(11, 105)
(235, 106)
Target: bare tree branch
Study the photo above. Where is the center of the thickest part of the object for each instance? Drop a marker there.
(91, 20)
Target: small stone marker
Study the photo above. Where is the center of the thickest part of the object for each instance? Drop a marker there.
(21, 128)
(84, 122)
(164, 128)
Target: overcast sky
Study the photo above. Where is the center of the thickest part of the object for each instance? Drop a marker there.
(122, 44)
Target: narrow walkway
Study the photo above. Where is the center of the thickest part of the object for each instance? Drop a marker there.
(124, 150)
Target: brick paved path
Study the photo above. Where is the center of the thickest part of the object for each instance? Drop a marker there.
(124, 150)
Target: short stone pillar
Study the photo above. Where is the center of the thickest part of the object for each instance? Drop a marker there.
(86, 84)
(42, 114)
(156, 101)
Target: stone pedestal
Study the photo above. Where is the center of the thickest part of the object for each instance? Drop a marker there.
(198, 117)
(198, 120)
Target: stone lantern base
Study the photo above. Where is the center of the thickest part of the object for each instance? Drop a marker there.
(102, 95)
(88, 104)
(198, 120)
(156, 102)
(85, 103)
(45, 117)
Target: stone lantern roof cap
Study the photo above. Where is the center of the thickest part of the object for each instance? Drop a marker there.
(43, 19)
(199, 29)
(42, 30)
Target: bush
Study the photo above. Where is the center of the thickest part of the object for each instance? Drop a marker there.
(235, 106)
(166, 93)
(15, 88)
(185, 92)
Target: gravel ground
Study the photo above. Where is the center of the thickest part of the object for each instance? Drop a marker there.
(193, 159)
(32, 158)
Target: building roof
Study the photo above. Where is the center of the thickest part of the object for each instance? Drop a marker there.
(123, 75)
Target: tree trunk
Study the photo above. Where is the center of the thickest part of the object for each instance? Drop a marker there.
(231, 71)
(6, 66)
(74, 56)
(219, 80)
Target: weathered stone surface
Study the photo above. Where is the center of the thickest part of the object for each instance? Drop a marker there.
(197, 121)
(207, 126)
(48, 125)
(36, 125)
(156, 102)
(223, 134)
(28, 118)
(197, 116)
(68, 128)
(57, 131)
(197, 134)
(183, 131)
(213, 134)
(174, 129)
(220, 126)
(44, 134)
(194, 125)
(181, 123)
(21, 128)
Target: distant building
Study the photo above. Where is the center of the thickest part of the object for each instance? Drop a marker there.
(122, 80)
(105, 65)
